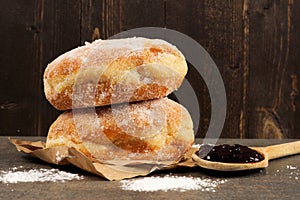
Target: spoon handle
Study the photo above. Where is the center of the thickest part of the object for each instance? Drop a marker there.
(282, 150)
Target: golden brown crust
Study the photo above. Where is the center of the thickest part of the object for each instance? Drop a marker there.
(149, 130)
(149, 68)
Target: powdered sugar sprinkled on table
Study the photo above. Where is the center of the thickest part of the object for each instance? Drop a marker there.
(16, 175)
(291, 170)
(169, 182)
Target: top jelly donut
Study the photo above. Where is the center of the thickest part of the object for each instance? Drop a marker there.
(114, 71)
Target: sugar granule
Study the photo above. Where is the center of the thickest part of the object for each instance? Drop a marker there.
(58, 157)
(167, 183)
(293, 171)
(196, 146)
(15, 175)
(291, 167)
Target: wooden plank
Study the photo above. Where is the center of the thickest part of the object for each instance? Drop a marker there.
(19, 67)
(217, 26)
(60, 32)
(92, 20)
(274, 69)
(32, 40)
(127, 14)
(294, 62)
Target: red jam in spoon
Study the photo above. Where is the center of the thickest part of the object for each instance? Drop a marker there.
(229, 153)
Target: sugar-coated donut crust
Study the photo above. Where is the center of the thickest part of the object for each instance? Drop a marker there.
(150, 130)
(114, 71)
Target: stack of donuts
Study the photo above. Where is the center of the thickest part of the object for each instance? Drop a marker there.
(113, 94)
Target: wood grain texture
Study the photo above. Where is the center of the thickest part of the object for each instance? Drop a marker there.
(61, 32)
(255, 44)
(18, 61)
(273, 74)
(92, 20)
(178, 17)
(218, 27)
(123, 15)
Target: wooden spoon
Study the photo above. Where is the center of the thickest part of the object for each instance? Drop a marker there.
(269, 153)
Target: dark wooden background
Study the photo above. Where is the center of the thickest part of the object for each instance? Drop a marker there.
(255, 44)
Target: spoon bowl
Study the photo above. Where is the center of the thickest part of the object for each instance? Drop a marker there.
(269, 153)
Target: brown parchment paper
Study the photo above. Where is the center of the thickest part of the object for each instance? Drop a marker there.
(63, 155)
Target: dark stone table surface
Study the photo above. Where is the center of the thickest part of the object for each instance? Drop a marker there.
(277, 181)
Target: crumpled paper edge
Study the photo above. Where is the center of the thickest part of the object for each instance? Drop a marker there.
(63, 155)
